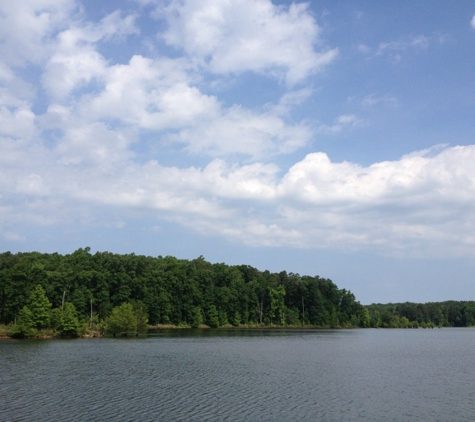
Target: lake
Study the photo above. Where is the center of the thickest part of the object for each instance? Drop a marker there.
(243, 375)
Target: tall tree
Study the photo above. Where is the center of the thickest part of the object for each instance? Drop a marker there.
(68, 323)
(40, 308)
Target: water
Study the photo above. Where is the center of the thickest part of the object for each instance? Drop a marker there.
(334, 375)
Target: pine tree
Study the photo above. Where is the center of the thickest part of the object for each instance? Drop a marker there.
(24, 326)
(69, 323)
(40, 308)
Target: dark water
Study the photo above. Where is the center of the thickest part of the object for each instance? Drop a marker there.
(341, 375)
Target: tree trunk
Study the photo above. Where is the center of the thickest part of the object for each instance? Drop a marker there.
(261, 309)
(90, 323)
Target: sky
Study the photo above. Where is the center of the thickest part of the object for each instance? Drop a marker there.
(321, 138)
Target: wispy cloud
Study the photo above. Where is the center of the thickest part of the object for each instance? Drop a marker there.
(340, 123)
(373, 99)
(419, 41)
(395, 50)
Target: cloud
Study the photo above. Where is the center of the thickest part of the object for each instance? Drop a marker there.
(73, 122)
(14, 237)
(92, 101)
(27, 28)
(363, 48)
(150, 94)
(394, 51)
(76, 61)
(240, 131)
(159, 95)
(94, 144)
(233, 37)
(420, 41)
(421, 204)
(372, 100)
(340, 123)
(472, 22)
(19, 122)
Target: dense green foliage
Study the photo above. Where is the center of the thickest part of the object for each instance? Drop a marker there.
(35, 315)
(39, 306)
(413, 315)
(127, 318)
(24, 325)
(67, 322)
(173, 291)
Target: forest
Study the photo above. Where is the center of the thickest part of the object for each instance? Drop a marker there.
(173, 291)
(64, 291)
(427, 315)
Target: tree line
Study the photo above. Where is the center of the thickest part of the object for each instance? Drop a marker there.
(413, 315)
(171, 290)
(66, 292)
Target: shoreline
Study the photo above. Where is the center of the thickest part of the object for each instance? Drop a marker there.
(165, 327)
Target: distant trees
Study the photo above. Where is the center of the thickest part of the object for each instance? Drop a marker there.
(427, 315)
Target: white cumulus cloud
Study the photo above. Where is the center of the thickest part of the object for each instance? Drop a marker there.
(230, 37)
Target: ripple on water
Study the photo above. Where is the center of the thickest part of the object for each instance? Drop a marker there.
(357, 375)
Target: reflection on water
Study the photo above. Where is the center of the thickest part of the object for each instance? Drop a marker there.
(234, 375)
(243, 332)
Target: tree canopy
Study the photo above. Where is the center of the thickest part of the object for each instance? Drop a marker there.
(173, 291)
(404, 315)
(82, 287)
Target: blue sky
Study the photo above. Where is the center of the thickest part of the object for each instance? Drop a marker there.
(322, 138)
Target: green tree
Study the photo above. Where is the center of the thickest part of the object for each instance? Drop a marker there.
(403, 322)
(237, 319)
(376, 320)
(140, 311)
(196, 317)
(122, 320)
(213, 317)
(277, 305)
(364, 317)
(68, 324)
(222, 317)
(127, 318)
(40, 308)
(25, 324)
(55, 318)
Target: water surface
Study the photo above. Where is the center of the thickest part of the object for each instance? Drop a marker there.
(240, 375)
